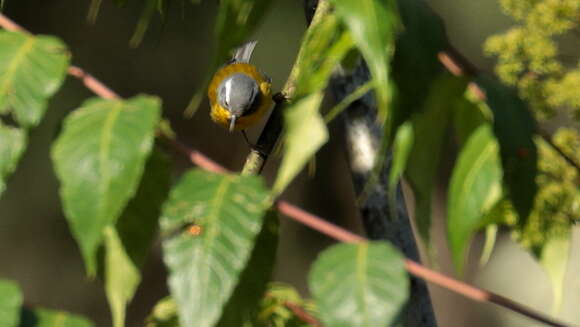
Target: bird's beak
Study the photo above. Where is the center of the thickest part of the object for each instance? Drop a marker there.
(233, 122)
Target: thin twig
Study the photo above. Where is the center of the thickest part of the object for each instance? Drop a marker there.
(330, 229)
(302, 314)
(459, 66)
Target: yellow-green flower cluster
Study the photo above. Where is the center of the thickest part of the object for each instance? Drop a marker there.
(528, 56)
(557, 204)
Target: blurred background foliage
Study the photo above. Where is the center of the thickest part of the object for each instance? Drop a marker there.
(164, 47)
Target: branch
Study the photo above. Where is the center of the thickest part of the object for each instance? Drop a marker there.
(302, 314)
(259, 154)
(338, 233)
(459, 66)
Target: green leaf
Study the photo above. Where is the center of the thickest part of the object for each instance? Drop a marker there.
(402, 148)
(51, 318)
(10, 302)
(164, 314)
(325, 45)
(236, 21)
(372, 24)
(32, 68)
(99, 158)
(468, 114)
(128, 243)
(121, 275)
(274, 310)
(305, 134)
(363, 284)
(475, 188)
(429, 126)
(204, 269)
(554, 258)
(415, 60)
(12, 144)
(243, 306)
(514, 127)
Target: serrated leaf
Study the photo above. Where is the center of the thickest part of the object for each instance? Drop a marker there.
(554, 258)
(372, 24)
(514, 127)
(363, 284)
(99, 158)
(475, 188)
(32, 68)
(12, 145)
(243, 306)
(228, 211)
(52, 318)
(305, 134)
(236, 21)
(415, 59)
(10, 302)
(429, 127)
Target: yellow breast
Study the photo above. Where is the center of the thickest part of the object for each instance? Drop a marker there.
(221, 115)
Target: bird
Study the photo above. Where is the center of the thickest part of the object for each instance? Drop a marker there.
(239, 93)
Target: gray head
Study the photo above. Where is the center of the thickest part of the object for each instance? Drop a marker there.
(237, 94)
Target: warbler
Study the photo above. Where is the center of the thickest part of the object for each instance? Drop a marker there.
(239, 93)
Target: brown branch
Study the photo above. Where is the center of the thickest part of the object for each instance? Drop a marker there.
(317, 223)
(302, 314)
(459, 66)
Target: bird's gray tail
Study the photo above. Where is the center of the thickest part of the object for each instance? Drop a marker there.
(244, 52)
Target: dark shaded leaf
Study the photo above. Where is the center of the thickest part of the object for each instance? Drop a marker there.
(514, 127)
(429, 126)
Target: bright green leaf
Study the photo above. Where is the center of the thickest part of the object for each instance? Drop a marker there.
(121, 275)
(12, 144)
(323, 48)
(305, 134)
(554, 258)
(51, 318)
(244, 303)
(514, 128)
(429, 126)
(475, 188)
(10, 302)
(204, 268)
(164, 314)
(99, 158)
(402, 148)
(372, 24)
(236, 21)
(32, 68)
(362, 284)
